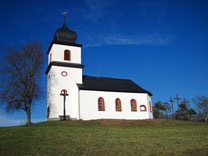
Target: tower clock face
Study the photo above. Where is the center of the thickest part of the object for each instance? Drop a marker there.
(64, 73)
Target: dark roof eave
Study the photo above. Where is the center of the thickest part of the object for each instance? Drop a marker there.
(150, 94)
(114, 91)
(110, 84)
(62, 43)
(63, 64)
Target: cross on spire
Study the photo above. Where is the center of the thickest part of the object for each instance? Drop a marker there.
(185, 101)
(64, 13)
(177, 99)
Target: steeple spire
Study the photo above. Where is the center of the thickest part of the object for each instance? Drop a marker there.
(64, 13)
(64, 35)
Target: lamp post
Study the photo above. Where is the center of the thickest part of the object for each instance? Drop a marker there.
(64, 94)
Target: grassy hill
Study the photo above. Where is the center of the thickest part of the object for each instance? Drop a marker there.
(106, 137)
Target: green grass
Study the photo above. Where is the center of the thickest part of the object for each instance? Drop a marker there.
(106, 137)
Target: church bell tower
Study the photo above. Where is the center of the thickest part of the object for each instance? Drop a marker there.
(64, 72)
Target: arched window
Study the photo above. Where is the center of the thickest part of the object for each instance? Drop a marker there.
(67, 55)
(101, 104)
(150, 106)
(63, 91)
(133, 105)
(143, 108)
(118, 104)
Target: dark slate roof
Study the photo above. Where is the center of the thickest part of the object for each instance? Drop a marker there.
(64, 34)
(110, 84)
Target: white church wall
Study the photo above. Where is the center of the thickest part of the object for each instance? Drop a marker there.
(48, 93)
(48, 89)
(57, 53)
(89, 105)
(58, 82)
(74, 74)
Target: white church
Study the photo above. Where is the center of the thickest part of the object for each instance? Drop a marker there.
(85, 97)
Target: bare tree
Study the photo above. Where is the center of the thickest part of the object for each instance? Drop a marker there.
(20, 74)
(202, 105)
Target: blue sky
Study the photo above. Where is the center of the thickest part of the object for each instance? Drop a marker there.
(162, 45)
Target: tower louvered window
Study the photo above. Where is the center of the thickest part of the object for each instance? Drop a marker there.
(67, 55)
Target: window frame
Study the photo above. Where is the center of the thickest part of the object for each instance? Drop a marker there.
(103, 104)
(150, 105)
(120, 108)
(62, 91)
(64, 73)
(65, 55)
(145, 108)
(135, 105)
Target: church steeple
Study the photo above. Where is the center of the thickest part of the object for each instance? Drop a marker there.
(65, 35)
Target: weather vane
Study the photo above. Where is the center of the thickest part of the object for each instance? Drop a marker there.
(64, 13)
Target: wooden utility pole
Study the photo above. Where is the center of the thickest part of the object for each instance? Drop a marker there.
(185, 102)
(171, 101)
(177, 99)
